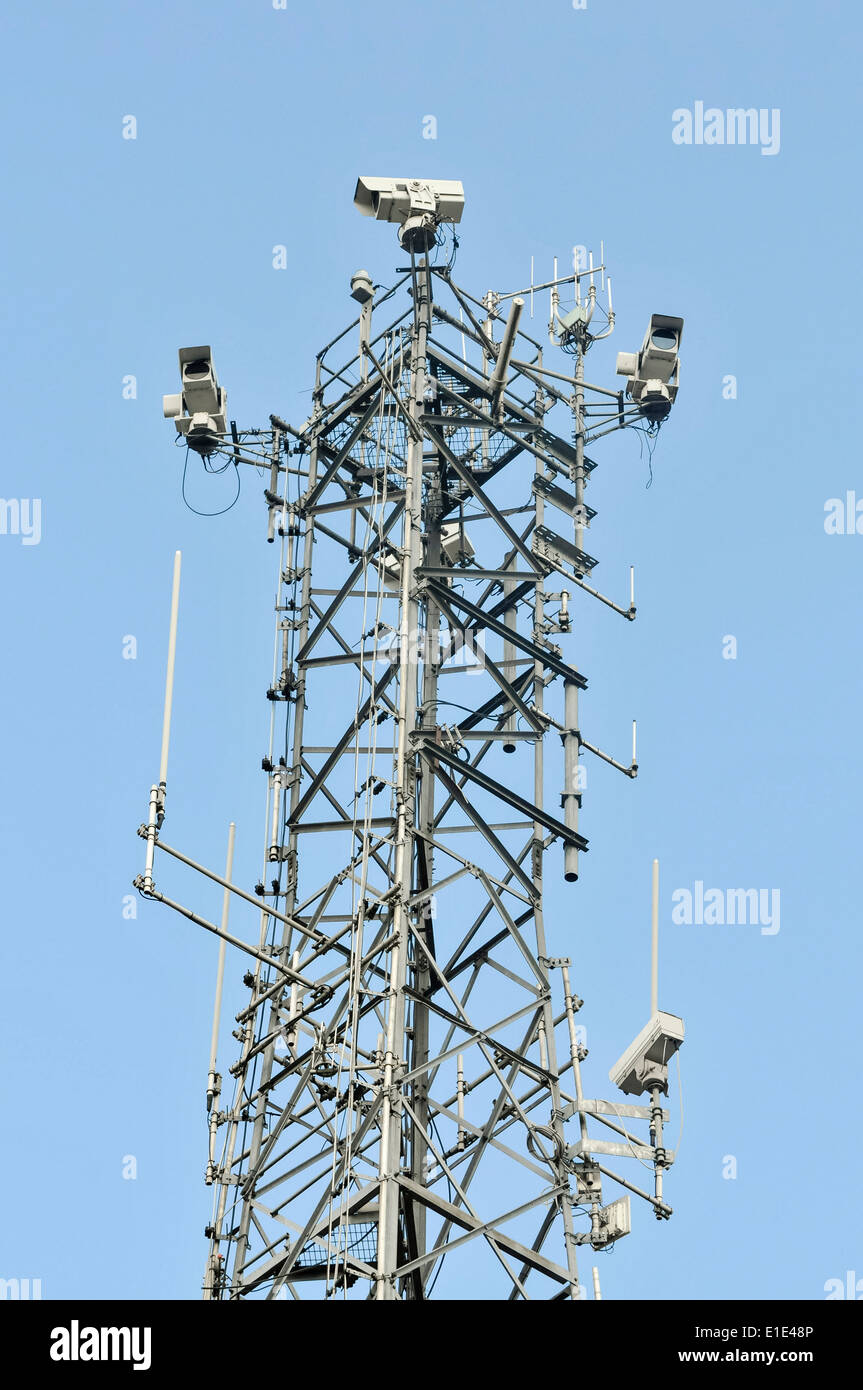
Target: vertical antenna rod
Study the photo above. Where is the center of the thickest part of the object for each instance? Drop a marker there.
(654, 942)
(157, 793)
(169, 674)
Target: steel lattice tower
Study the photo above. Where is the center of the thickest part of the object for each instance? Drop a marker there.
(409, 1085)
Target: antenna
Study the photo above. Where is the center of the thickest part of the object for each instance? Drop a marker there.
(169, 673)
(498, 377)
(654, 931)
(156, 812)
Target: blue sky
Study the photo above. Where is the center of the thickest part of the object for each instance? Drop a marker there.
(252, 125)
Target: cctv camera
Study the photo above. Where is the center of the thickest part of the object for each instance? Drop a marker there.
(198, 411)
(658, 356)
(645, 1062)
(417, 205)
(456, 545)
(654, 371)
(200, 388)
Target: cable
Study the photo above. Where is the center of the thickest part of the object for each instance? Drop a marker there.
(216, 471)
(219, 470)
(436, 1132)
(676, 1150)
(645, 1163)
(649, 432)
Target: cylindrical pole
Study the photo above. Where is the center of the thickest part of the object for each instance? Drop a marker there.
(169, 675)
(597, 1291)
(152, 826)
(295, 1002)
(278, 780)
(553, 297)
(157, 794)
(390, 1153)
(510, 618)
(580, 514)
(501, 367)
(656, 1141)
(220, 970)
(569, 1005)
(654, 942)
(571, 794)
(365, 337)
(274, 484)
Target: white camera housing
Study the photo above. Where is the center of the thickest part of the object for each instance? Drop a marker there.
(418, 206)
(654, 371)
(659, 351)
(456, 544)
(645, 1062)
(627, 363)
(391, 200)
(199, 410)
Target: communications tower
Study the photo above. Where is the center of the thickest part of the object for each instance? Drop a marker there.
(407, 1116)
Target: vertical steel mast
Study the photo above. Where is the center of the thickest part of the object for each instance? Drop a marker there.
(407, 1115)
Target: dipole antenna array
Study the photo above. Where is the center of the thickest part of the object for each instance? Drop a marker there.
(407, 1114)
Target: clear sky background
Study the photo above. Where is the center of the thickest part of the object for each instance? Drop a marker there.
(252, 126)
